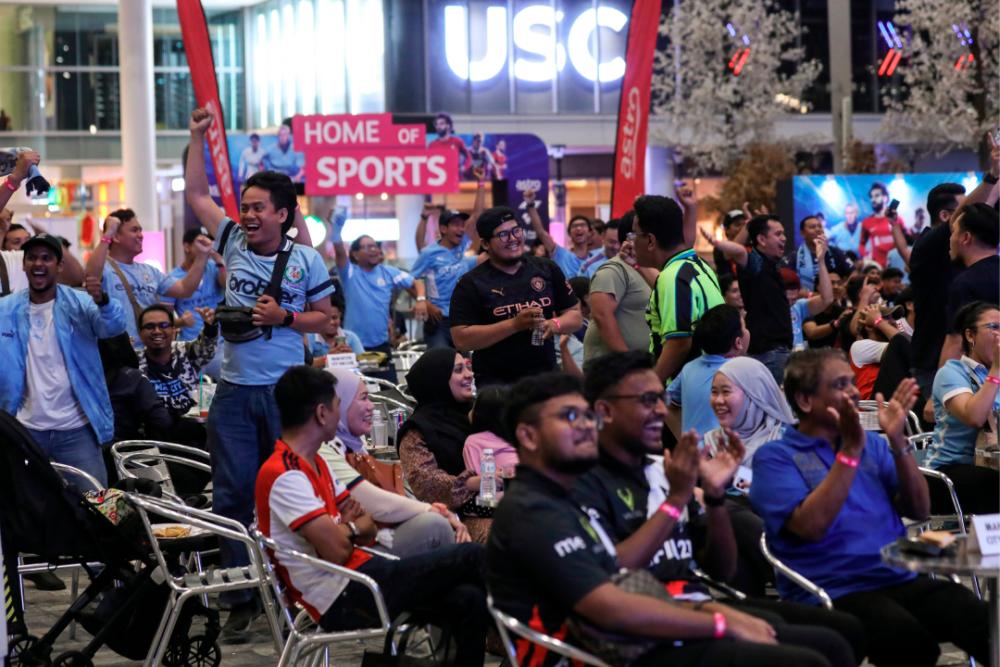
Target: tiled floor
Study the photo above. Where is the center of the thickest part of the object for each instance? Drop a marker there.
(45, 607)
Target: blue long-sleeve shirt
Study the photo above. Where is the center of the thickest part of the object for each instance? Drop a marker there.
(79, 323)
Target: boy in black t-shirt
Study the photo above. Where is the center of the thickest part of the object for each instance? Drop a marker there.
(546, 559)
(496, 305)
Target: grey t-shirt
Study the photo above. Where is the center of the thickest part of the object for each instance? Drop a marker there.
(631, 293)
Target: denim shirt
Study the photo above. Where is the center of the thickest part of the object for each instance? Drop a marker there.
(79, 322)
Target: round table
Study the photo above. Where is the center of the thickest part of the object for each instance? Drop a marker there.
(958, 561)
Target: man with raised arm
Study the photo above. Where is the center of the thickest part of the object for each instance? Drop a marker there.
(243, 422)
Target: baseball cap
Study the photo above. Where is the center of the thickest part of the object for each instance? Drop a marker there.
(492, 218)
(50, 241)
(447, 216)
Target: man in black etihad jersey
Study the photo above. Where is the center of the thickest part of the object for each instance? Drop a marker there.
(496, 305)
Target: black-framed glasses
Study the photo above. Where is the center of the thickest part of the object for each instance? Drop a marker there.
(507, 234)
(153, 326)
(648, 399)
(575, 417)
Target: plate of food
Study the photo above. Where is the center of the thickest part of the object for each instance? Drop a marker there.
(176, 531)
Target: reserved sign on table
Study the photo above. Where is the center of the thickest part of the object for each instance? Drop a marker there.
(985, 534)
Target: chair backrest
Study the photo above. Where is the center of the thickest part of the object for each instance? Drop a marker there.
(508, 625)
(793, 576)
(69, 473)
(942, 478)
(147, 459)
(868, 412)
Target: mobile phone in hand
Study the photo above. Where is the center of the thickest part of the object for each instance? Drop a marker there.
(893, 205)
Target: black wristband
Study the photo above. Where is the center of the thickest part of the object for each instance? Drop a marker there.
(712, 501)
(105, 300)
(289, 319)
(990, 178)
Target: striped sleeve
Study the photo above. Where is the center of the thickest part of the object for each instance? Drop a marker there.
(292, 500)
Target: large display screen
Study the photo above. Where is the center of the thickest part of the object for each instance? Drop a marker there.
(845, 202)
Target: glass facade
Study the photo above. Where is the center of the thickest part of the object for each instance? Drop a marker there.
(315, 56)
(59, 67)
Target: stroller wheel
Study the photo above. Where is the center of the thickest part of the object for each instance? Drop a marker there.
(22, 651)
(73, 659)
(195, 651)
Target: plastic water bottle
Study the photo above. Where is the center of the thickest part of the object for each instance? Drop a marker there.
(538, 332)
(380, 431)
(488, 479)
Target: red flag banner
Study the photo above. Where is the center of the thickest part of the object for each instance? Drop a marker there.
(198, 48)
(629, 177)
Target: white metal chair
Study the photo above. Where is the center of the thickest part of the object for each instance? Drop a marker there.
(868, 412)
(210, 581)
(147, 459)
(793, 576)
(508, 625)
(305, 637)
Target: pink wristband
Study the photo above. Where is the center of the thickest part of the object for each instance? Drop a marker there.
(878, 321)
(671, 511)
(720, 625)
(555, 320)
(849, 461)
(106, 239)
(10, 185)
(993, 379)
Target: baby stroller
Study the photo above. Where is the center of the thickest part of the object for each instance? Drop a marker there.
(42, 514)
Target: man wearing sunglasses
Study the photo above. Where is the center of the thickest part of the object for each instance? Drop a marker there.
(496, 305)
(173, 366)
(645, 497)
(548, 560)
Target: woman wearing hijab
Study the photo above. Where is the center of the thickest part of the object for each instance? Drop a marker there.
(432, 439)
(747, 400)
(407, 527)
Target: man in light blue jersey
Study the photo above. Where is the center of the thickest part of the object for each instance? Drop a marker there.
(209, 293)
(243, 422)
(136, 285)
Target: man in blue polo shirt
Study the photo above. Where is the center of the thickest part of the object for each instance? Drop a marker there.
(721, 334)
(439, 266)
(831, 495)
(243, 422)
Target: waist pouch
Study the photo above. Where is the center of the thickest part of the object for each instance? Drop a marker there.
(236, 324)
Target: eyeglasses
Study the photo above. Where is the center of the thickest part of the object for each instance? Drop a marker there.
(648, 399)
(575, 417)
(507, 234)
(152, 326)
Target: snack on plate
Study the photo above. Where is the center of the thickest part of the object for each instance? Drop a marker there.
(170, 532)
(939, 538)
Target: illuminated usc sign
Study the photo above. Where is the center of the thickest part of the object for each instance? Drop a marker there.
(537, 57)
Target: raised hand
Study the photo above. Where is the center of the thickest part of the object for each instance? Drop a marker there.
(528, 196)
(207, 315)
(92, 285)
(717, 471)
(994, 154)
(200, 121)
(479, 173)
(850, 428)
(685, 193)
(25, 160)
(111, 225)
(681, 468)
(185, 320)
(202, 246)
(822, 246)
(892, 416)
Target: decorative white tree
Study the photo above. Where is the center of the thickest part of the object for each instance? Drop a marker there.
(948, 94)
(729, 70)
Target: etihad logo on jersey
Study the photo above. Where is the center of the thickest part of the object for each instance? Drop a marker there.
(514, 308)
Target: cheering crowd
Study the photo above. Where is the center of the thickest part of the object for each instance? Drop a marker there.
(645, 413)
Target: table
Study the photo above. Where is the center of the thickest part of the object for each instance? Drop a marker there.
(961, 562)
